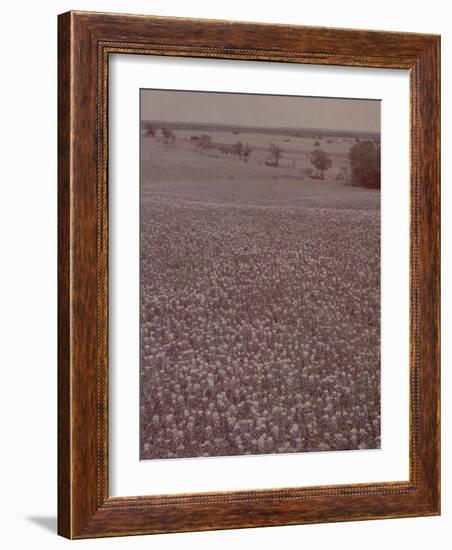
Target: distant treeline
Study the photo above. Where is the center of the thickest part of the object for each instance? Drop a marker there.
(293, 132)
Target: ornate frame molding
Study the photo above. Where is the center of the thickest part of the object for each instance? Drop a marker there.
(85, 42)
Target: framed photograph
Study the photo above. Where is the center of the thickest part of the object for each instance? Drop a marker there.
(248, 275)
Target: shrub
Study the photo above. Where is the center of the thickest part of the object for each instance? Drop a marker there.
(246, 152)
(237, 148)
(167, 135)
(205, 141)
(150, 129)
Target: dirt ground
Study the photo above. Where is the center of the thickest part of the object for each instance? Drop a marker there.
(260, 300)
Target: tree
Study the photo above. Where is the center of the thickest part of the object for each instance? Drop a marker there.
(364, 159)
(320, 160)
(246, 152)
(275, 152)
(168, 135)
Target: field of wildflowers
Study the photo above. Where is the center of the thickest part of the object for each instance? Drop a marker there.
(260, 313)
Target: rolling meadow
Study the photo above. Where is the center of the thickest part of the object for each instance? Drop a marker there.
(260, 296)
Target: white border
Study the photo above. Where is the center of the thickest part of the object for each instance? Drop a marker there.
(128, 475)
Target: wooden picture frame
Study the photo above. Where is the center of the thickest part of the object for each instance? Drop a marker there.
(85, 42)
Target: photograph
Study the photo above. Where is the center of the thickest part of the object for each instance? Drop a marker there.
(259, 274)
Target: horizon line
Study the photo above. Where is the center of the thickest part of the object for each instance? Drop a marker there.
(301, 128)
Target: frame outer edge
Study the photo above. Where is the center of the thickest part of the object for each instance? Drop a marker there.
(427, 288)
(64, 278)
(431, 247)
(82, 512)
(438, 176)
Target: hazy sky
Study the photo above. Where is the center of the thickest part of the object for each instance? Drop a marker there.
(261, 110)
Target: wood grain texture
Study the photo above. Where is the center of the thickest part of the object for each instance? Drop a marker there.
(64, 295)
(85, 42)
